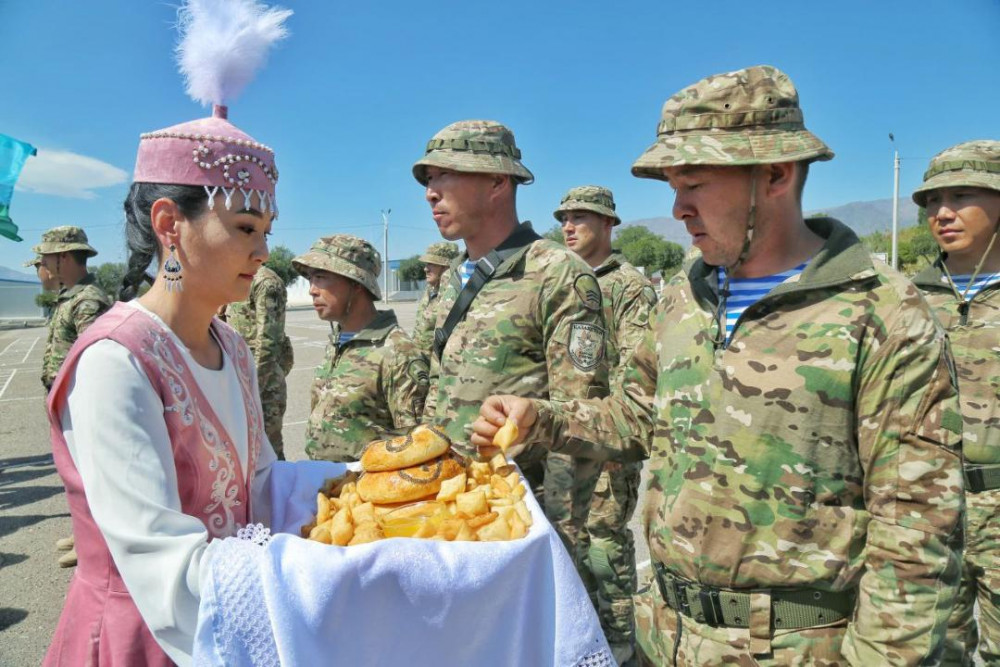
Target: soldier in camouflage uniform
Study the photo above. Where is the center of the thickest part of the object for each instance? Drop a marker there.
(587, 216)
(436, 260)
(374, 379)
(64, 252)
(534, 329)
(62, 257)
(805, 502)
(261, 321)
(961, 193)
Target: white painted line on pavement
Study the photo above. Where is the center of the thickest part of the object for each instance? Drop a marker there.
(23, 398)
(12, 344)
(7, 383)
(643, 565)
(303, 368)
(33, 343)
(295, 423)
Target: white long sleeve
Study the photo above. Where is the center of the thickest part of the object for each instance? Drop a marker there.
(116, 434)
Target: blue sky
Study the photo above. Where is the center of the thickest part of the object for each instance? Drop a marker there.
(351, 97)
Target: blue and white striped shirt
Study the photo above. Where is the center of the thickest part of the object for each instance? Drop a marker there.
(962, 282)
(466, 270)
(346, 337)
(744, 292)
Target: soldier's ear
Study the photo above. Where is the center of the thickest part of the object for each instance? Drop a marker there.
(780, 179)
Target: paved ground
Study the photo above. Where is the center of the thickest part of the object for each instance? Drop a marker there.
(33, 512)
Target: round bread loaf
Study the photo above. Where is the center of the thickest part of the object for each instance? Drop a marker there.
(414, 483)
(422, 444)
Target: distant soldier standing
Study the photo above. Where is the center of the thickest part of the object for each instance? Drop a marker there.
(436, 260)
(797, 405)
(373, 379)
(587, 216)
(261, 321)
(64, 252)
(63, 255)
(961, 193)
(518, 314)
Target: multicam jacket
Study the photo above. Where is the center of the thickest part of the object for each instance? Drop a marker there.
(821, 448)
(76, 309)
(535, 330)
(423, 330)
(261, 321)
(974, 333)
(628, 298)
(373, 384)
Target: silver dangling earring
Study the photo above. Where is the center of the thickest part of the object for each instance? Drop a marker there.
(172, 271)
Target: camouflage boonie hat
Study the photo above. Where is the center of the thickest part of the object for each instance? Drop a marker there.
(973, 163)
(64, 239)
(347, 256)
(440, 253)
(750, 116)
(34, 263)
(588, 198)
(477, 146)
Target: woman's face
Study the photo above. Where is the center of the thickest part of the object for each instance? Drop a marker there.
(222, 249)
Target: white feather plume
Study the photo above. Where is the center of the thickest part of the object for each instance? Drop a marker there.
(223, 44)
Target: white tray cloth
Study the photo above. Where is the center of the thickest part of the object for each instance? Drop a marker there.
(400, 601)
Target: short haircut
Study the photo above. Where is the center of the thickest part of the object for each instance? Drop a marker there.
(79, 256)
(800, 179)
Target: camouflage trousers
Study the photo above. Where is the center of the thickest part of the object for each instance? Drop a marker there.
(662, 634)
(980, 582)
(273, 400)
(611, 553)
(569, 488)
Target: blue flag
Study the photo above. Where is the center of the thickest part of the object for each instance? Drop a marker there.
(13, 154)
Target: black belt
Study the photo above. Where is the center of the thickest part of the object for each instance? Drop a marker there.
(791, 609)
(981, 477)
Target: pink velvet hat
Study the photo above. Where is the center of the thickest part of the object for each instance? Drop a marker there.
(223, 42)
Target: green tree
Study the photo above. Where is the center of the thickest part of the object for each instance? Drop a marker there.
(109, 276)
(916, 247)
(651, 251)
(555, 234)
(411, 269)
(280, 262)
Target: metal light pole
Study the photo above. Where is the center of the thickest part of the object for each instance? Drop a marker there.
(385, 252)
(895, 203)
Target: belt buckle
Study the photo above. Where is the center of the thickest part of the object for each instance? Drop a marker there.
(680, 592)
(974, 480)
(711, 607)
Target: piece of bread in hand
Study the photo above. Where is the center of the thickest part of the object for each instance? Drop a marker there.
(422, 444)
(413, 483)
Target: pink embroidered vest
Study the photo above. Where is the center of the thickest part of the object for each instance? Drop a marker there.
(100, 624)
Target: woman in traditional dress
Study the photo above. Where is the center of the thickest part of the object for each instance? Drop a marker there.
(156, 423)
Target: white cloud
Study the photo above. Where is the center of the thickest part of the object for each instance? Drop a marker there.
(66, 174)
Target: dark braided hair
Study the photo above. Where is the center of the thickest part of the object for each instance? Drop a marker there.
(140, 239)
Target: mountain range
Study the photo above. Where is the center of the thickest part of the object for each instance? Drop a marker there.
(864, 217)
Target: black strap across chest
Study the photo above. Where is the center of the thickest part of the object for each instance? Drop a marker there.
(486, 267)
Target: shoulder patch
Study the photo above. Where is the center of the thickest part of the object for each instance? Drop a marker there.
(588, 291)
(418, 371)
(586, 345)
(649, 294)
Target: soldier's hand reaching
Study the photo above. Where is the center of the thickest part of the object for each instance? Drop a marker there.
(494, 413)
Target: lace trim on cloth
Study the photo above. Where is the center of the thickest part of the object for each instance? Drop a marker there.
(600, 658)
(246, 632)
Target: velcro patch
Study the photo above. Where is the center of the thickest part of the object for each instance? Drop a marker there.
(586, 345)
(588, 291)
(418, 371)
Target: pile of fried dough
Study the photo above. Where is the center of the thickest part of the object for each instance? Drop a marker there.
(414, 486)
